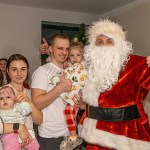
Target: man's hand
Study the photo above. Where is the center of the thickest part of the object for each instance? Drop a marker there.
(148, 61)
(65, 85)
(44, 47)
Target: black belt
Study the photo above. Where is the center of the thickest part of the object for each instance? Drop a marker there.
(112, 114)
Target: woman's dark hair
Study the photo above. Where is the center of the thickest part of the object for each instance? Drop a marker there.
(16, 57)
(1, 78)
(5, 59)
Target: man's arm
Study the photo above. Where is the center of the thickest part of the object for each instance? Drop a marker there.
(42, 99)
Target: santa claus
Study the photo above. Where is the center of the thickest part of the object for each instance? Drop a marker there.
(116, 86)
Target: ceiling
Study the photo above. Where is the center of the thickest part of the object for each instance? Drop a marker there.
(96, 7)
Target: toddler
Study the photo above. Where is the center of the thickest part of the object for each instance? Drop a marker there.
(77, 73)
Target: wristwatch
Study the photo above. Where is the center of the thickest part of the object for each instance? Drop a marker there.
(15, 127)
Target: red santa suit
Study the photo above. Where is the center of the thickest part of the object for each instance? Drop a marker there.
(129, 91)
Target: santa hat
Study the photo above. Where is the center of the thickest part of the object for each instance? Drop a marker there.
(106, 27)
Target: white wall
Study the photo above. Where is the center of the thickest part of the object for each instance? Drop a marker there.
(20, 29)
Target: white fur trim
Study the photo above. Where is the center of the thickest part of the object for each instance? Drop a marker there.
(106, 27)
(90, 93)
(103, 138)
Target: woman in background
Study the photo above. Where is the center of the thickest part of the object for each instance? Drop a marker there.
(4, 77)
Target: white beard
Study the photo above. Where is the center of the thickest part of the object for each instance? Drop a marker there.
(104, 66)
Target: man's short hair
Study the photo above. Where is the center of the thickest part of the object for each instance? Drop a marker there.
(59, 36)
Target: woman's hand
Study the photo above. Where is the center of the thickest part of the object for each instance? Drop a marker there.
(22, 97)
(24, 135)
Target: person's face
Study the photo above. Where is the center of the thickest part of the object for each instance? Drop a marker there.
(59, 50)
(6, 103)
(103, 40)
(75, 55)
(3, 64)
(18, 71)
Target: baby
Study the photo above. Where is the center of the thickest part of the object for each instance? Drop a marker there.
(12, 112)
